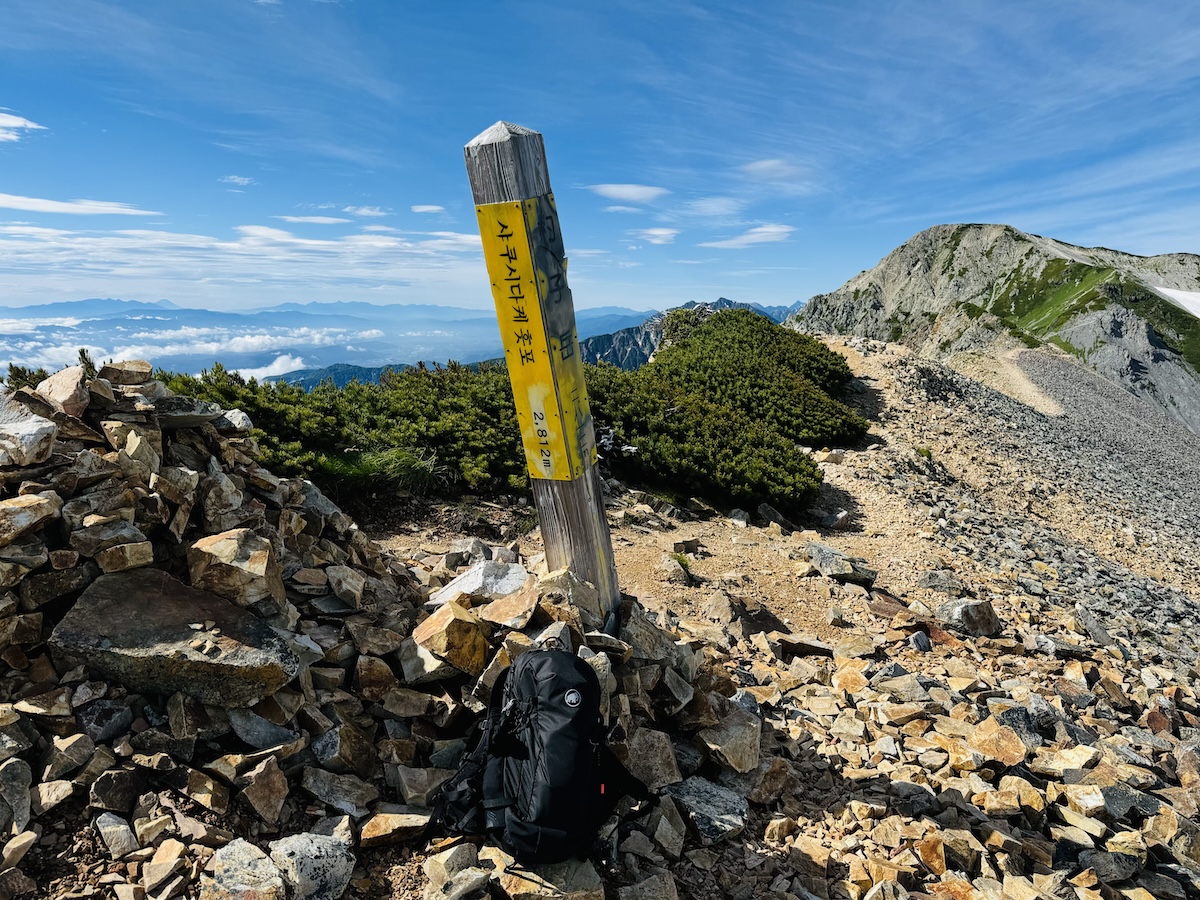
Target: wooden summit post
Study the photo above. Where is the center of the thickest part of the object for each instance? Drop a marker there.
(523, 248)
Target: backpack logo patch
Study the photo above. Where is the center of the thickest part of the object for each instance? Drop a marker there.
(573, 698)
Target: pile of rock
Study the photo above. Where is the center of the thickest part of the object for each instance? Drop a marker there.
(213, 672)
(178, 626)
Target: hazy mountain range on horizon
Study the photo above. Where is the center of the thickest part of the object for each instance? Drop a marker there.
(298, 342)
(263, 342)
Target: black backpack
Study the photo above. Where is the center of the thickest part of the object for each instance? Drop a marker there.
(540, 779)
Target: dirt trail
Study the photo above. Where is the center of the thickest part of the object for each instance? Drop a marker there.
(1004, 375)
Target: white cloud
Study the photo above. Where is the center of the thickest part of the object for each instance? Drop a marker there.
(24, 326)
(281, 366)
(781, 176)
(713, 207)
(771, 170)
(760, 234)
(657, 235)
(629, 193)
(236, 179)
(74, 207)
(383, 229)
(623, 209)
(427, 208)
(11, 127)
(190, 340)
(254, 265)
(314, 220)
(451, 240)
(370, 211)
(585, 253)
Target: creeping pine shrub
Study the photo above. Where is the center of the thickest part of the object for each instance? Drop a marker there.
(718, 414)
(743, 360)
(424, 430)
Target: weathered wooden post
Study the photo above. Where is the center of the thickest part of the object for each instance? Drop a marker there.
(523, 248)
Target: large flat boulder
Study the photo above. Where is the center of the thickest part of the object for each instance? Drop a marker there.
(488, 579)
(184, 412)
(147, 631)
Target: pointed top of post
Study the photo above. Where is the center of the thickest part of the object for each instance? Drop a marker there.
(501, 131)
(505, 163)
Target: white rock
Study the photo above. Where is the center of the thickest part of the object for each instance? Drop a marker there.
(25, 439)
(67, 389)
(315, 866)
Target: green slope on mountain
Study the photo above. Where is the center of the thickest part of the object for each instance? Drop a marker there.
(969, 287)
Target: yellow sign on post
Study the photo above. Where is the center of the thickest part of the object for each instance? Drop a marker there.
(523, 249)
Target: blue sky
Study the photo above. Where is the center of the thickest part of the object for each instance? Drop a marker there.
(239, 153)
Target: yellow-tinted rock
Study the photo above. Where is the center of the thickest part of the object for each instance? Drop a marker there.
(998, 742)
(456, 635)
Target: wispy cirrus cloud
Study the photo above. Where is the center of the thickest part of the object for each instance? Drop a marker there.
(657, 235)
(12, 127)
(236, 179)
(713, 207)
(629, 193)
(452, 240)
(73, 207)
(623, 209)
(760, 234)
(368, 211)
(770, 170)
(314, 220)
(779, 176)
(427, 208)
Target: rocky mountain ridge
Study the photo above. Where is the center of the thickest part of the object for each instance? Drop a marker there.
(963, 287)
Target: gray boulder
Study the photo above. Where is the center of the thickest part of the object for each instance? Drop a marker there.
(975, 617)
(833, 563)
(489, 579)
(136, 628)
(716, 813)
(240, 870)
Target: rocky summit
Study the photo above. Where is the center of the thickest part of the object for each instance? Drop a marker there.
(969, 673)
(952, 288)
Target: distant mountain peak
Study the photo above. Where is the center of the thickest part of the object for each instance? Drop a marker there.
(632, 347)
